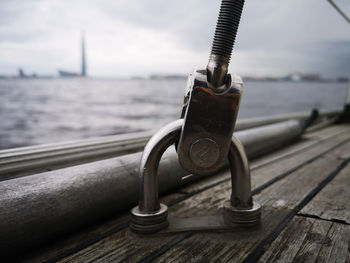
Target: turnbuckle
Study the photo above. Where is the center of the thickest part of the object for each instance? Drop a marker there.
(204, 141)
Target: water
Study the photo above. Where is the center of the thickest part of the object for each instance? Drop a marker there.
(37, 111)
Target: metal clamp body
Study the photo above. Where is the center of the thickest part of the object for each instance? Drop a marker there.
(210, 117)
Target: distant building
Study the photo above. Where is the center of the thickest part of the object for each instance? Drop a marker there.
(83, 60)
(311, 77)
(172, 76)
(21, 73)
(67, 74)
(342, 79)
(302, 77)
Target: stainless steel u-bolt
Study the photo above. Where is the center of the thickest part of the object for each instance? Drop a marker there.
(241, 208)
(150, 215)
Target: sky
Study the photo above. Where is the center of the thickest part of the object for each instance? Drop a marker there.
(142, 37)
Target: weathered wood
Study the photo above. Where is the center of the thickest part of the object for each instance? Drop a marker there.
(333, 202)
(309, 140)
(279, 200)
(310, 240)
(284, 196)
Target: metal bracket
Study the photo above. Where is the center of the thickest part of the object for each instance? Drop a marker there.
(150, 216)
(204, 136)
(210, 117)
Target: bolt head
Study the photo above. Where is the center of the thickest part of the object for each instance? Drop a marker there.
(204, 152)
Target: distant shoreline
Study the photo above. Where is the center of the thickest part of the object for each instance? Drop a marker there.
(172, 78)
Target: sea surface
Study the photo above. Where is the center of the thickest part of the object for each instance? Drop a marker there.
(41, 111)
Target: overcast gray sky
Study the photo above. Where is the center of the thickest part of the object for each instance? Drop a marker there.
(141, 37)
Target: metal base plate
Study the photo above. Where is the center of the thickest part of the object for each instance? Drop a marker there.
(214, 223)
(228, 220)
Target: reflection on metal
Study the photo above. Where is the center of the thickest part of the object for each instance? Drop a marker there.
(151, 216)
(241, 197)
(208, 127)
(241, 209)
(150, 161)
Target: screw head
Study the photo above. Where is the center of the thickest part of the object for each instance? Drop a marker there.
(204, 152)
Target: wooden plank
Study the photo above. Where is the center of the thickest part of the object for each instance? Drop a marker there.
(333, 202)
(307, 141)
(310, 240)
(290, 163)
(326, 130)
(233, 246)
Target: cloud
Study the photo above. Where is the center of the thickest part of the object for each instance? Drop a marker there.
(143, 37)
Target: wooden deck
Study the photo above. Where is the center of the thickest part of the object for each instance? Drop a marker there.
(305, 193)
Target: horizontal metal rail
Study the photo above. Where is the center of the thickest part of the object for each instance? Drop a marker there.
(34, 159)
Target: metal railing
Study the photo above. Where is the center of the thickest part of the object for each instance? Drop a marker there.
(34, 159)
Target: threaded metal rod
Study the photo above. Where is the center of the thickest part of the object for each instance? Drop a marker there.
(224, 38)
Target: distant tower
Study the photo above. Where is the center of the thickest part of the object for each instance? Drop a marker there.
(83, 59)
(21, 73)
